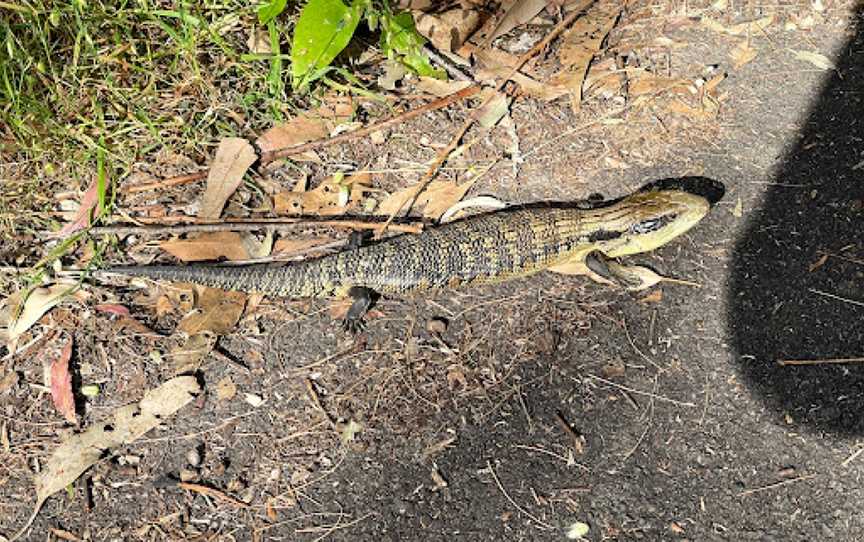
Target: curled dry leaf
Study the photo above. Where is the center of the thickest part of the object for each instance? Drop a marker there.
(21, 310)
(439, 87)
(488, 202)
(233, 158)
(218, 311)
(286, 247)
(741, 29)
(817, 59)
(127, 423)
(435, 199)
(742, 54)
(214, 246)
(187, 357)
(493, 110)
(306, 127)
(333, 196)
(450, 29)
(61, 384)
(581, 43)
(520, 12)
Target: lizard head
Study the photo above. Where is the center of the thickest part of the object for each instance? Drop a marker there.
(646, 220)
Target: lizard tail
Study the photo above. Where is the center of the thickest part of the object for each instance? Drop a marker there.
(282, 281)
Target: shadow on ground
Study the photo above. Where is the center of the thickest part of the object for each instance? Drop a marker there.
(785, 293)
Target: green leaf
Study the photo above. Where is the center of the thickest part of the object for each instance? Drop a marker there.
(270, 10)
(324, 28)
(400, 40)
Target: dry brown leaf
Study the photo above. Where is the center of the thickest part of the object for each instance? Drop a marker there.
(498, 64)
(655, 296)
(695, 113)
(208, 246)
(187, 357)
(742, 54)
(289, 246)
(435, 199)
(439, 87)
(226, 389)
(233, 158)
(127, 423)
(306, 127)
(519, 13)
(332, 197)
(218, 311)
(493, 110)
(448, 30)
(817, 59)
(642, 83)
(21, 310)
(747, 28)
(581, 43)
(61, 384)
(213, 246)
(84, 213)
(818, 263)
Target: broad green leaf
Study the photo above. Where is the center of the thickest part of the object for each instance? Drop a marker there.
(324, 28)
(400, 40)
(270, 10)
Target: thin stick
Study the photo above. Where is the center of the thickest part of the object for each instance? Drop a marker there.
(454, 142)
(165, 183)
(775, 485)
(645, 393)
(441, 103)
(818, 361)
(507, 496)
(212, 492)
(853, 456)
(837, 297)
(574, 436)
(195, 225)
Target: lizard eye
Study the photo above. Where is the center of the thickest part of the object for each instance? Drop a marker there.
(652, 224)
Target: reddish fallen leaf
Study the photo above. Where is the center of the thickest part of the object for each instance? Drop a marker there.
(61, 384)
(233, 158)
(208, 246)
(112, 308)
(304, 128)
(84, 214)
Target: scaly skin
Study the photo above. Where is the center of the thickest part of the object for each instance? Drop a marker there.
(488, 248)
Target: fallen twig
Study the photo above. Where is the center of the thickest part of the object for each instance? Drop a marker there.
(837, 297)
(775, 485)
(645, 393)
(576, 439)
(188, 224)
(212, 492)
(828, 361)
(165, 183)
(510, 499)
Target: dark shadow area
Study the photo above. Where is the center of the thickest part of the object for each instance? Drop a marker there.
(797, 277)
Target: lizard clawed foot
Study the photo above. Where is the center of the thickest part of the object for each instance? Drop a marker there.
(363, 299)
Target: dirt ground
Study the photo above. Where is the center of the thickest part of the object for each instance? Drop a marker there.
(549, 404)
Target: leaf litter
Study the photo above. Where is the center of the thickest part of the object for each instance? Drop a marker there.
(126, 424)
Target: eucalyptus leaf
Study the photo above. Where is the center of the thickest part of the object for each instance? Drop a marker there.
(324, 28)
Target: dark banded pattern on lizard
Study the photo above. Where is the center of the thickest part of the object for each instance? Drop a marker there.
(487, 248)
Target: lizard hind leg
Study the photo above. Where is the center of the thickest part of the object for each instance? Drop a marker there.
(363, 298)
